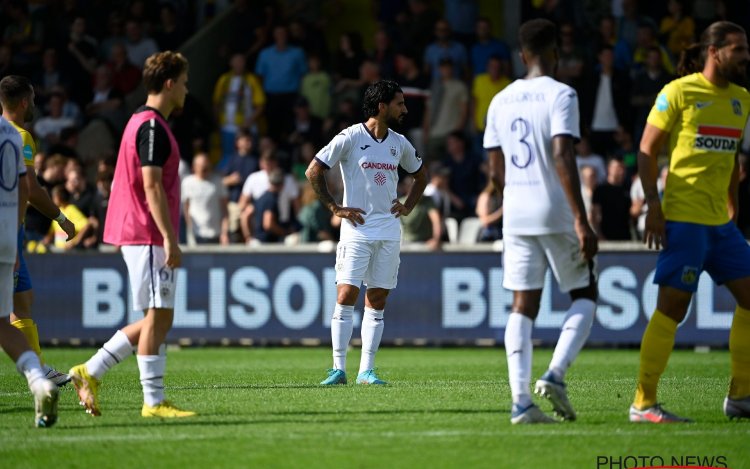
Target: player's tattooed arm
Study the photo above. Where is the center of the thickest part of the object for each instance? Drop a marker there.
(316, 174)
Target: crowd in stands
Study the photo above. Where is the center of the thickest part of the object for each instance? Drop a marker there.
(288, 88)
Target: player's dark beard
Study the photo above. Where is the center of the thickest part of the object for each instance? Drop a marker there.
(737, 73)
(395, 122)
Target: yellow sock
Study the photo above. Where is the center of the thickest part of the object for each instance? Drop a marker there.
(28, 327)
(739, 352)
(656, 346)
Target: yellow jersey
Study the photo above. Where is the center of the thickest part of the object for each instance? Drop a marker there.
(73, 214)
(705, 125)
(29, 146)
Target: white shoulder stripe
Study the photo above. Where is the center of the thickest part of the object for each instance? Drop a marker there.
(151, 131)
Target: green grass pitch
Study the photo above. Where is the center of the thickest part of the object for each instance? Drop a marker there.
(262, 407)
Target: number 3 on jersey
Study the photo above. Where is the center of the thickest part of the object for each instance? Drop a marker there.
(523, 128)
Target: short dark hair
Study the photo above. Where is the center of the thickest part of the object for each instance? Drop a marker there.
(537, 36)
(382, 91)
(13, 89)
(161, 67)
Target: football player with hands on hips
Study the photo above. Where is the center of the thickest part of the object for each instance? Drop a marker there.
(531, 128)
(368, 155)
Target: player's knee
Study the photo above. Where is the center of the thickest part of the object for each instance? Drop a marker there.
(347, 295)
(376, 298)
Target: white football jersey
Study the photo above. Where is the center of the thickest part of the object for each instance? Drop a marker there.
(522, 120)
(11, 166)
(369, 168)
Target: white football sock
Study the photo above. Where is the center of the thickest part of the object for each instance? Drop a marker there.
(115, 350)
(575, 331)
(372, 332)
(28, 365)
(152, 377)
(518, 350)
(341, 333)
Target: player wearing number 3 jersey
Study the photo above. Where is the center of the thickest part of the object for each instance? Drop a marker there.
(531, 127)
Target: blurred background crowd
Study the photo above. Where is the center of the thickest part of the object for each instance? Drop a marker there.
(288, 86)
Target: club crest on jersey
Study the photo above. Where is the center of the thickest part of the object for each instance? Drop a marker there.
(380, 178)
(689, 275)
(736, 106)
(393, 151)
(717, 139)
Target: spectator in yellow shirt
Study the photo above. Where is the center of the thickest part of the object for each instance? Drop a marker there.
(56, 235)
(239, 102)
(483, 89)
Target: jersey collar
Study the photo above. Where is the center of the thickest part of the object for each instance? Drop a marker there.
(367, 129)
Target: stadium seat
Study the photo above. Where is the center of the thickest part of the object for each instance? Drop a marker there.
(468, 231)
(451, 226)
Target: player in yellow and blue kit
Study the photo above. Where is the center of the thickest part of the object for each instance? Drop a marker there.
(702, 116)
(17, 99)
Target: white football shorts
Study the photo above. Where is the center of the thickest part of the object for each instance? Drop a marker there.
(6, 289)
(373, 262)
(151, 281)
(526, 258)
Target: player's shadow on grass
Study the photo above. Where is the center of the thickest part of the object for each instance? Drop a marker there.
(247, 386)
(16, 410)
(399, 411)
(194, 422)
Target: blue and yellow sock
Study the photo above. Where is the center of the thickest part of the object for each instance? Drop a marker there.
(656, 346)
